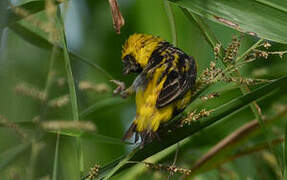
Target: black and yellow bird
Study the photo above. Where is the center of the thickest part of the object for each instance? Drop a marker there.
(164, 85)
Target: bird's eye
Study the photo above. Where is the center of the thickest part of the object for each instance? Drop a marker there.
(129, 58)
(130, 64)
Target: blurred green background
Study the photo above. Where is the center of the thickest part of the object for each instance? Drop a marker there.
(29, 152)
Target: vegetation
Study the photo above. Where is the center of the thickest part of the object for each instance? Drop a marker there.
(59, 118)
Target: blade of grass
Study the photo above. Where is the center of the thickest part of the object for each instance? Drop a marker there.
(70, 77)
(30, 36)
(71, 85)
(256, 148)
(10, 155)
(121, 164)
(245, 54)
(31, 7)
(42, 42)
(285, 153)
(3, 16)
(105, 103)
(256, 18)
(204, 29)
(186, 131)
(56, 157)
(141, 168)
(170, 17)
(225, 148)
(97, 138)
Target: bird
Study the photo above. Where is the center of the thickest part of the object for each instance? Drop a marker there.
(166, 78)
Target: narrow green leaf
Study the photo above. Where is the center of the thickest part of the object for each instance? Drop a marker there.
(96, 137)
(170, 16)
(29, 7)
(72, 88)
(121, 164)
(140, 168)
(3, 15)
(204, 29)
(42, 42)
(68, 132)
(70, 77)
(8, 156)
(186, 131)
(105, 103)
(285, 153)
(105, 139)
(30, 36)
(262, 18)
(241, 135)
(56, 157)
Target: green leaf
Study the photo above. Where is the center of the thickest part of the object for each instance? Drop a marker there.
(105, 103)
(70, 77)
(72, 88)
(3, 15)
(97, 138)
(266, 19)
(235, 141)
(121, 164)
(29, 7)
(56, 158)
(186, 131)
(285, 153)
(42, 42)
(8, 156)
(30, 36)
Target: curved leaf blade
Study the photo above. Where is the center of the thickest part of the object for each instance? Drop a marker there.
(266, 19)
(30, 7)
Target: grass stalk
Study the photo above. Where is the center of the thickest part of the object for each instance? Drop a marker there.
(56, 157)
(171, 20)
(72, 88)
(121, 163)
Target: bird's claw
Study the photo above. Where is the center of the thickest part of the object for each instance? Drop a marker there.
(124, 94)
(120, 89)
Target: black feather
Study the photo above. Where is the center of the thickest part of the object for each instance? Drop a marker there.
(178, 82)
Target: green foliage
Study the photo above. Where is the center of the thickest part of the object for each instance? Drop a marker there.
(60, 120)
(266, 19)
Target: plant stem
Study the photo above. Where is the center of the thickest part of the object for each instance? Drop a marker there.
(170, 16)
(72, 88)
(121, 163)
(233, 140)
(55, 165)
(245, 54)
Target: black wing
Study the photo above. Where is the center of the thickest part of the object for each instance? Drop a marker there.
(178, 81)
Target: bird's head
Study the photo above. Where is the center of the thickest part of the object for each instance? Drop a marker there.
(137, 51)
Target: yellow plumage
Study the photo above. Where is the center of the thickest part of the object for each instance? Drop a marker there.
(148, 116)
(164, 84)
(141, 47)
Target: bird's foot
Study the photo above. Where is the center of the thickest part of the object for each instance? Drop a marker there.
(121, 89)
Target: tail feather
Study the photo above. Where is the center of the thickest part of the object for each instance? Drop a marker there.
(130, 132)
(146, 136)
